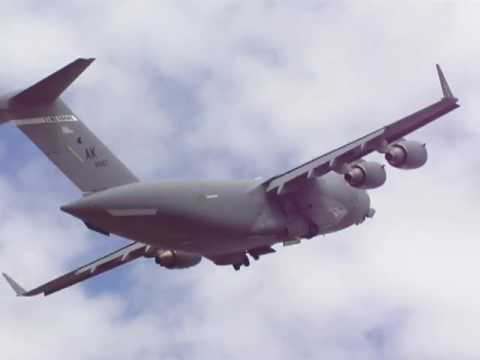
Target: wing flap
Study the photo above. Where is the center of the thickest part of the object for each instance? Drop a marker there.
(108, 262)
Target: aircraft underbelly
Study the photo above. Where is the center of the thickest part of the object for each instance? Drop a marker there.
(183, 234)
(213, 218)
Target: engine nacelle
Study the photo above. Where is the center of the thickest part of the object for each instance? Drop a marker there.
(173, 259)
(366, 175)
(407, 154)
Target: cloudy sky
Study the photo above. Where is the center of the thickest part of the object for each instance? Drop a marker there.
(239, 89)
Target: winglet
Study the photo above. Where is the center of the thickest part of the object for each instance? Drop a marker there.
(447, 93)
(13, 284)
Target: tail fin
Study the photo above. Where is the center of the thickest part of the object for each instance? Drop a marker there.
(41, 115)
(50, 88)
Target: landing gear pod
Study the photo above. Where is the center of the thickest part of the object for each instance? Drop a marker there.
(172, 259)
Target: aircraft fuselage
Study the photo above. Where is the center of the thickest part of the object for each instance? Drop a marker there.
(221, 217)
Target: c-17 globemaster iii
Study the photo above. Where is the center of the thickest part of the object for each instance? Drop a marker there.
(177, 223)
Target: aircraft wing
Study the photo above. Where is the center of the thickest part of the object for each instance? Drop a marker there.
(375, 141)
(108, 262)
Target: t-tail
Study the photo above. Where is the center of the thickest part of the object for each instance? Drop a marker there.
(40, 113)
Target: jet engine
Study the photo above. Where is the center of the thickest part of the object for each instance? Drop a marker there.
(173, 259)
(366, 175)
(407, 154)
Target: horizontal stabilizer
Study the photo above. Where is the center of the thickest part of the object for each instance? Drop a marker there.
(50, 88)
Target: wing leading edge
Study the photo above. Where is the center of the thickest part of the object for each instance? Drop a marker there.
(375, 141)
(108, 262)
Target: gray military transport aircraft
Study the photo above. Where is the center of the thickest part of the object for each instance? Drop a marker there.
(179, 223)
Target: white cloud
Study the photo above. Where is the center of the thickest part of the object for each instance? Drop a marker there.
(265, 84)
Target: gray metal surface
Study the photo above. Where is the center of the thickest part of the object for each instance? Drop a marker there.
(108, 262)
(76, 151)
(224, 221)
(63, 137)
(367, 144)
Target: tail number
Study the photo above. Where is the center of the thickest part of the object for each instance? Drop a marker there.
(90, 154)
(101, 163)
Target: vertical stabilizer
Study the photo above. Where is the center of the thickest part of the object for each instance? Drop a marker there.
(40, 113)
